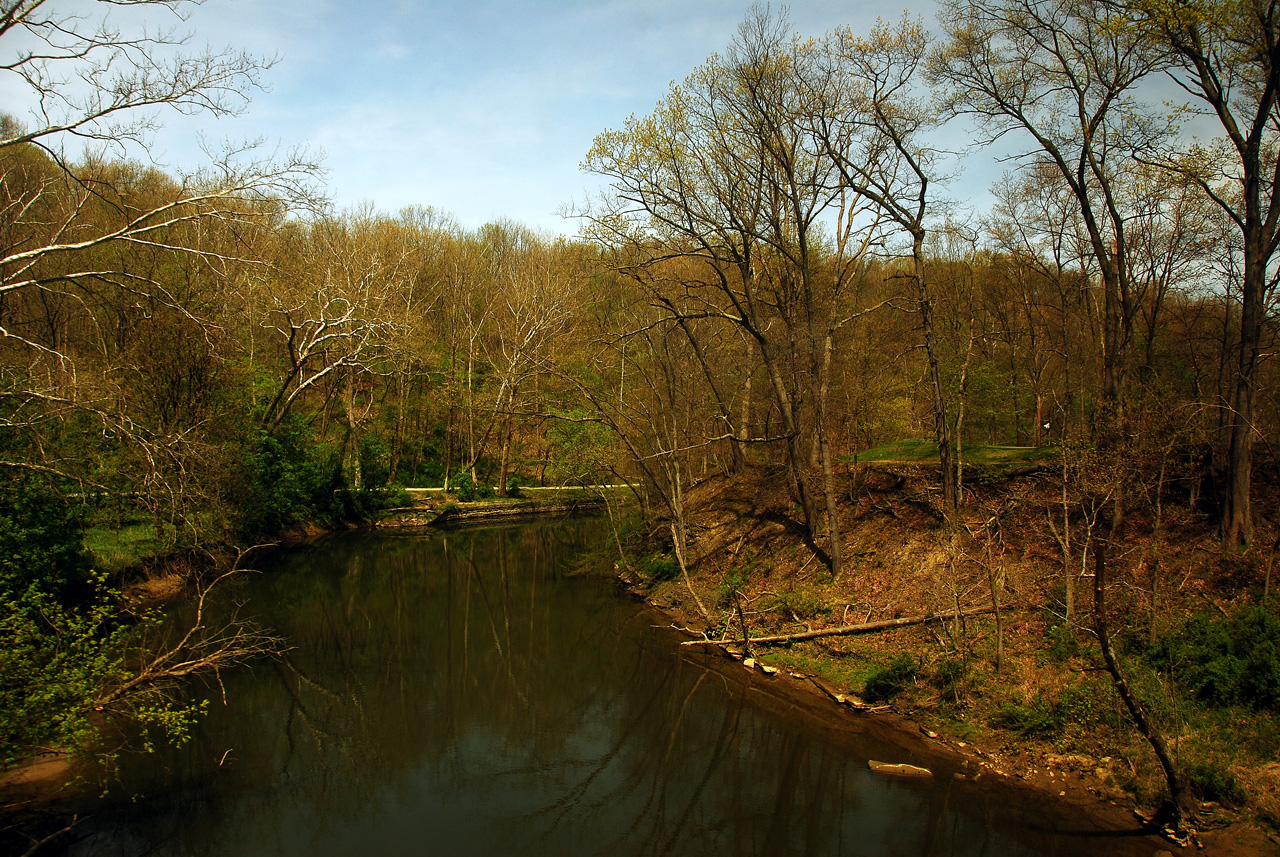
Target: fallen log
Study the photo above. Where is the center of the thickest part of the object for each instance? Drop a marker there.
(899, 770)
(863, 628)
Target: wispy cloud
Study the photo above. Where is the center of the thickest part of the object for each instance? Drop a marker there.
(483, 108)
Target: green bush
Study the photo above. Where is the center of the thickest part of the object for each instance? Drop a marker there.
(660, 566)
(1038, 718)
(950, 676)
(1212, 782)
(375, 461)
(467, 490)
(514, 483)
(288, 478)
(1225, 661)
(1088, 704)
(1063, 644)
(41, 541)
(887, 682)
(734, 580)
(64, 634)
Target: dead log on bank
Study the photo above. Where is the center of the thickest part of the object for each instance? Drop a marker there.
(844, 630)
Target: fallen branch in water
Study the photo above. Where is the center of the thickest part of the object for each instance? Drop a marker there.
(863, 628)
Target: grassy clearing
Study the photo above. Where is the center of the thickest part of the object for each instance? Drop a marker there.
(121, 544)
(918, 451)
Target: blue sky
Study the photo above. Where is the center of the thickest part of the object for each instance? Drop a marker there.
(480, 109)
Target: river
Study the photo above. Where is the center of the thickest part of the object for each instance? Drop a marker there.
(476, 693)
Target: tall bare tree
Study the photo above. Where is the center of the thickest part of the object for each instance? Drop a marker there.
(1064, 76)
(726, 172)
(1227, 59)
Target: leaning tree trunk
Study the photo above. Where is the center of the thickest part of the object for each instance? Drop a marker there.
(1180, 807)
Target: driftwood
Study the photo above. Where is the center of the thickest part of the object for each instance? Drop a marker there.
(899, 770)
(863, 628)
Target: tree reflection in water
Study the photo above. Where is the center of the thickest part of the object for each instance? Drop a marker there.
(469, 693)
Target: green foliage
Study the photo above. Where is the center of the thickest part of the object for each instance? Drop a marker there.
(580, 450)
(64, 636)
(1039, 718)
(734, 580)
(41, 548)
(467, 490)
(58, 666)
(375, 461)
(659, 567)
(514, 483)
(1210, 781)
(1224, 661)
(915, 450)
(889, 681)
(1063, 644)
(122, 543)
(1090, 704)
(949, 678)
(287, 479)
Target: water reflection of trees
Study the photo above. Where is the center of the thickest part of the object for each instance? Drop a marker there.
(464, 690)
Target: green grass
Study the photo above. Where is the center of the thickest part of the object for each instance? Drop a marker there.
(115, 548)
(918, 451)
(846, 674)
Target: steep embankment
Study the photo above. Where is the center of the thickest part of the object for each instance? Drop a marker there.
(1021, 690)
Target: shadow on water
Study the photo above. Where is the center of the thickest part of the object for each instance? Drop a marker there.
(462, 693)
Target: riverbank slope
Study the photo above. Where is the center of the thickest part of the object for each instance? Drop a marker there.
(1021, 692)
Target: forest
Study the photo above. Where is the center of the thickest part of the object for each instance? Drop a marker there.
(775, 291)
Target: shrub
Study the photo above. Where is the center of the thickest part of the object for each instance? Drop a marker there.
(1212, 782)
(734, 580)
(514, 483)
(887, 682)
(41, 541)
(375, 461)
(287, 479)
(660, 566)
(1039, 718)
(65, 635)
(467, 490)
(1225, 661)
(1063, 644)
(949, 677)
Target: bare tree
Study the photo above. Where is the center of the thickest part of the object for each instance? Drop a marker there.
(1064, 74)
(726, 173)
(334, 293)
(874, 138)
(1227, 59)
(91, 244)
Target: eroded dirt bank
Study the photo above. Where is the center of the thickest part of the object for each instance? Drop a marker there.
(974, 685)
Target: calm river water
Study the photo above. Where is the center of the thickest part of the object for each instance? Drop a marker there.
(469, 693)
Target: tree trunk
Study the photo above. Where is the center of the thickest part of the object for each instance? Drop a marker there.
(504, 459)
(1181, 806)
(1237, 515)
(353, 438)
(846, 630)
(941, 431)
(735, 446)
